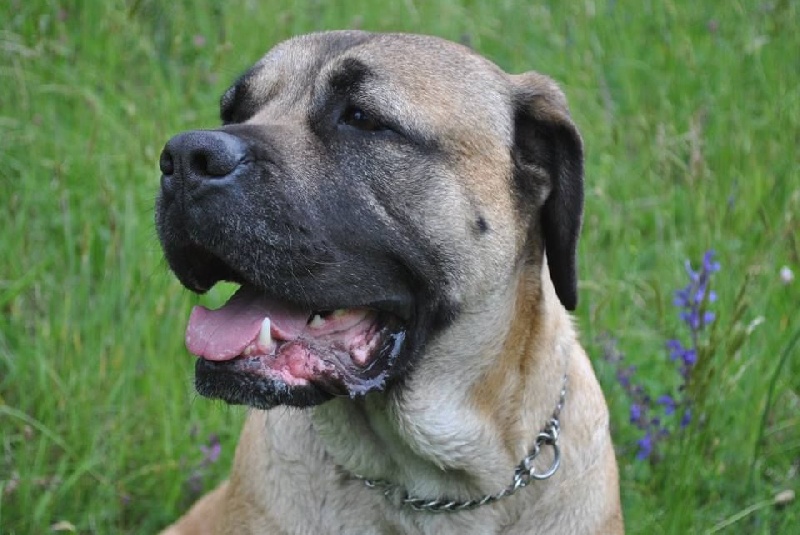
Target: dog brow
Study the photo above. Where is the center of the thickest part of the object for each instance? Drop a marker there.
(349, 75)
(252, 90)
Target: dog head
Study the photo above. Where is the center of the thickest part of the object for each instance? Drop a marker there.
(362, 189)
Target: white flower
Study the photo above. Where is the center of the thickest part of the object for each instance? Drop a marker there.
(787, 276)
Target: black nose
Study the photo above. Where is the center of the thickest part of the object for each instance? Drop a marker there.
(201, 155)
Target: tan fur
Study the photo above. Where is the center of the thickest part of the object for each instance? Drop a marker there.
(484, 388)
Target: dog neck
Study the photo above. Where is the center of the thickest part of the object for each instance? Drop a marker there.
(473, 407)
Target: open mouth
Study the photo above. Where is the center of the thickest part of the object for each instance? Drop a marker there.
(346, 351)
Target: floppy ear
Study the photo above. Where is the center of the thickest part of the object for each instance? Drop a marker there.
(548, 154)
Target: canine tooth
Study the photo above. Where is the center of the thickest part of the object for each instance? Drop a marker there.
(265, 335)
(316, 321)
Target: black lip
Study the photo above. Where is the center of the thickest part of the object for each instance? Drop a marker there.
(228, 382)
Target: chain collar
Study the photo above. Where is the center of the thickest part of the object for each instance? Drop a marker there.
(524, 473)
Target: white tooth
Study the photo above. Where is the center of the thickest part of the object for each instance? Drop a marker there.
(316, 321)
(339, 312)
(265, 335)
(248, 351)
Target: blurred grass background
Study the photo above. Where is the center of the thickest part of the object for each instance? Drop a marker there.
(690, 113)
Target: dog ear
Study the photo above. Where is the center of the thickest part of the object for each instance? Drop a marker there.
(548, 156)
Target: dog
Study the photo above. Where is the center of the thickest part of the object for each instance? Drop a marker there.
(402, 217)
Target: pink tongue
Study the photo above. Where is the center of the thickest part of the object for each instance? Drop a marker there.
(223, 334)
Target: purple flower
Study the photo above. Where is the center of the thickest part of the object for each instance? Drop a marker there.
(691, 318)
(675, 349)
(210, 455)
(645, 447)
(624, 376)
(636, 413)
(681, 298)
(686, 418)
(672, 409)
(696, 293)
(212, 451)
(668, 403)
(709, 265)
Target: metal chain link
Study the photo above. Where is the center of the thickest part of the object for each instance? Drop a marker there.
(524, 473)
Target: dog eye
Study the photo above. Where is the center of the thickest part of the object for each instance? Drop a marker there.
(358, 118)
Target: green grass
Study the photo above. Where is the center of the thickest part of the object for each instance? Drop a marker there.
(691, 116)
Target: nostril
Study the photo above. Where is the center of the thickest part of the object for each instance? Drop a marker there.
(213, 161)
(166, 163)
(198, 163)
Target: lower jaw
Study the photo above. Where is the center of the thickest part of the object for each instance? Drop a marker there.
(226, 381)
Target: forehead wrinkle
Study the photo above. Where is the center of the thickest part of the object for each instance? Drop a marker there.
(438, 114)
(285, 73)
(445, 91)
(469, 123)
(285, 77)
